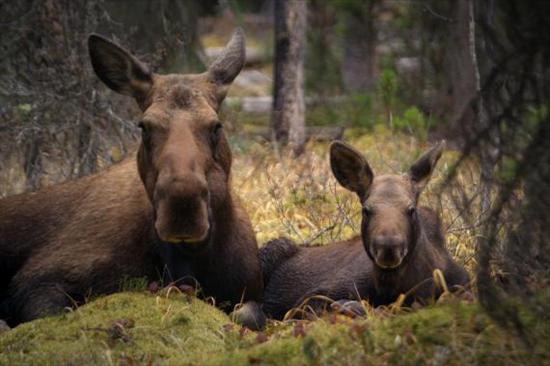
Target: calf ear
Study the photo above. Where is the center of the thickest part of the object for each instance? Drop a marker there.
(421, 171)
(350, 168)
(118, 69)
(228, 65)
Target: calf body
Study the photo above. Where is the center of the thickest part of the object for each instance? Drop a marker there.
(393, 256)
(171, 217)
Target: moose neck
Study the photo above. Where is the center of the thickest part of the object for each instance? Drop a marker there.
(179, 260)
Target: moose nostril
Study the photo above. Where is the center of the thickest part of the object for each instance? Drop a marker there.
(388, 250)
(388, 253)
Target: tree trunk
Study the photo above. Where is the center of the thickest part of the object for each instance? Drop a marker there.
(288, 115)
(461, 70)
(487, 162)
(359, 63)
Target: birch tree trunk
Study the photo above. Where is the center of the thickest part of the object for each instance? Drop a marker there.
(288, 114)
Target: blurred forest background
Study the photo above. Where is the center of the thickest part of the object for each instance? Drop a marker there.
(391, 76)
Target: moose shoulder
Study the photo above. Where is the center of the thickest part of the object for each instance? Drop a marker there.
(397, 252)
(172, 216)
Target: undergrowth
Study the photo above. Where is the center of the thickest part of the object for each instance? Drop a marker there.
(298, 198)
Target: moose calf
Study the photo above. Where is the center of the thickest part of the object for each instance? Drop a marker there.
(400, 245)
(172, 216)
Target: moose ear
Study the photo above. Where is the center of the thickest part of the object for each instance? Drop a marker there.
(421, 171)
(227, 66)
(350, 168)
(118, 69)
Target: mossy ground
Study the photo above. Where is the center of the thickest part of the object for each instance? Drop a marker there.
(133, 327)
(143, 329)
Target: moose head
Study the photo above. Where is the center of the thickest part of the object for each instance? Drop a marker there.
(184, 159)
(389, 225)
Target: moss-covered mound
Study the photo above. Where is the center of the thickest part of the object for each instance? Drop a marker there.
(134, 328)
(139, 328)
(455, 333)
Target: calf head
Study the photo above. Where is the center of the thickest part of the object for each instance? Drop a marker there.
(184, 158)
(389, 225)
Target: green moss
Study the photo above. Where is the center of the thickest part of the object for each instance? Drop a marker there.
(455, 333)
(123, 327)
(139, 328)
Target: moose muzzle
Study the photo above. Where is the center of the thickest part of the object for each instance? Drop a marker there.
(182, 210)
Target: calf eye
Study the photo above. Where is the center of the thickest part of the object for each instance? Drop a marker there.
(216, 133)
(145, 132)
(411, 211)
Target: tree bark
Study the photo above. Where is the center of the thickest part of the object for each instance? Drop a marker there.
(288, 115)
(462, 71)
(359, 63)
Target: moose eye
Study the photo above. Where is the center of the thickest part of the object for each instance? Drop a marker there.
(411, 211)
(367, 211)
(216, 133)
(142, 126)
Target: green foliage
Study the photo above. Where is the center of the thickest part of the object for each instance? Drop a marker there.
(414, 122)
(22, 112)
(355, 111)
(348, 6)
(323, 58)
(387, 89)
(133, 284)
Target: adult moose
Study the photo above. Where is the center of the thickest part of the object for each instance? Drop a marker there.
(172, 216)
(400, 245)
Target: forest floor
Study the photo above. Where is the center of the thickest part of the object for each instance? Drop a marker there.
(144, 329)
(298, 198)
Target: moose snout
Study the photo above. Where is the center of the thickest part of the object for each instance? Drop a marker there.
(182, 210)
(389, 250)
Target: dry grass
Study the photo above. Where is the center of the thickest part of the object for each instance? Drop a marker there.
(299, 197)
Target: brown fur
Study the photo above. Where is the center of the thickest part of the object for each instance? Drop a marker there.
(171, 218)
(399, 247)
